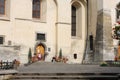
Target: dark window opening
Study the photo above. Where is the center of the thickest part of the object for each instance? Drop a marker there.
(36, 9)
(91, 42)
(73, 21)
(2, 7)
(118, 11)
(40, 36)
(118, 14)
(75, 56)
(49, 49)
(1, 40)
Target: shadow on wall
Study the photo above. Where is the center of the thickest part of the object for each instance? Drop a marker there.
(98, 55)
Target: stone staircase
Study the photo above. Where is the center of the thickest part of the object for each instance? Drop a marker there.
(61, 76)
(61, 71)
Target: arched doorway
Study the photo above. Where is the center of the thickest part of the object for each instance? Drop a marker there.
(40, 51)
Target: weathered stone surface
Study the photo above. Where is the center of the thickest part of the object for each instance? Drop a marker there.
(98, 55)
(104, 43)
(92, 20)
(8, 53)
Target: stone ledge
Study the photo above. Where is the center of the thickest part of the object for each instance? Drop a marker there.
(7, 72)
(5, 77)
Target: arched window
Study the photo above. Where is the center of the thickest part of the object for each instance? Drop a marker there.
(5, 9)
(36, 9)
(39, 10)
(76, 20)
(73, 21)
(2, 7)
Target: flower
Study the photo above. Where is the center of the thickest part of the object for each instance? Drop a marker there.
(116, 31)
(118, 22)
(113, 28)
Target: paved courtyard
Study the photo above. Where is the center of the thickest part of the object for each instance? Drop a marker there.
(47, 67)
(61, 71)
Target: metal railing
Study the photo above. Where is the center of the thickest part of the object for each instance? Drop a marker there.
(8, 65)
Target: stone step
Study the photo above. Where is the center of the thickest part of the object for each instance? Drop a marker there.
(64, 74)
(62, 77)
(90, 63)
(57, 74)
(66, 77)
(49, 79)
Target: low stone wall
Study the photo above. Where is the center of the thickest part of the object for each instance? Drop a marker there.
(8, 53)
(5, 77)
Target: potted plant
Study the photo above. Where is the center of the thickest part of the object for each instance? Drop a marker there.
(29, 56)
(60, 54)
(116, 31)
(116, 39)
(103, 64)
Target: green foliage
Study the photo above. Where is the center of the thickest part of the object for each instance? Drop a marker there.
(103, 64)
(119, 57)
(29, 55)
(117, 28)
(60, 54)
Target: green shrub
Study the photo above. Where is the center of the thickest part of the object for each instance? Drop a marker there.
(29, 55)
(103, 64)
(60, 54)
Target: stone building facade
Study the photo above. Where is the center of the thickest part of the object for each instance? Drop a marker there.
(44, 24)
(80, 28)
(102, 19)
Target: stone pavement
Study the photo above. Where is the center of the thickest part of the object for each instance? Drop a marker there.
(48, 67)
(5, 72)
(61, 71)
